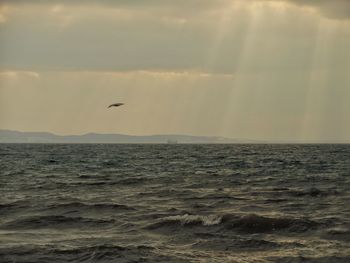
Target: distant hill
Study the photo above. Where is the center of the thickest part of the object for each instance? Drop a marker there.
(8, 136)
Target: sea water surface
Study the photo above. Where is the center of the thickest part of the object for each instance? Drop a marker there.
(174, 203)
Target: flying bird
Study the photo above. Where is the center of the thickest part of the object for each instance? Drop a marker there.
(115, 105)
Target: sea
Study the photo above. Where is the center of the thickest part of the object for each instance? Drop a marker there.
(174, 203)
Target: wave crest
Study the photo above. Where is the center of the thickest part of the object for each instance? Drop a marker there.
(187, 220)
(248, 223)
(55, 222)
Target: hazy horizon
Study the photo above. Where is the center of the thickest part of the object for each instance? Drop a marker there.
(258, 69)
(160, 138)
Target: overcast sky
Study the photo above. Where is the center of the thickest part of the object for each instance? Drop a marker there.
(256, 69)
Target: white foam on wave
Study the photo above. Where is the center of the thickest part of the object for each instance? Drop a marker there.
(208, 220)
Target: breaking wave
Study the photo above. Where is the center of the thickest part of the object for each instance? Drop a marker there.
(248, 223)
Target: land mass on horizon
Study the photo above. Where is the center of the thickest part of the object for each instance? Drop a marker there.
(10, 136)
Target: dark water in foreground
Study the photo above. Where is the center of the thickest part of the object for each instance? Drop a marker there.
(174, 203)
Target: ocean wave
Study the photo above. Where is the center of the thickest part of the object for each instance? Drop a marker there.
(239, 244)
(13, 207)
(111, 163)
(215, 196)
(51, 161)
(313, 192)
(6, 206)
(259, 224)
(57, 221)
(97, 253)
(104, 247)
(249, 223)
(186, 220)
(108, 182)
(79, 206)
(301, 259)
(338, 234)
(187, 204)
(130, 181)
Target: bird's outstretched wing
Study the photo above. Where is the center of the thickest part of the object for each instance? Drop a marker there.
(115, 105)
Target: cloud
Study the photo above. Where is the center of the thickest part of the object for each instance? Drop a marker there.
(9, 74)
(3, 13)
(333, 9)
(134, 36)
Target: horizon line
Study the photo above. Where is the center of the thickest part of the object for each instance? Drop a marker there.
(244, 140)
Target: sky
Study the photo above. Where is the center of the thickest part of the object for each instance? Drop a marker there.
(250, 69)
